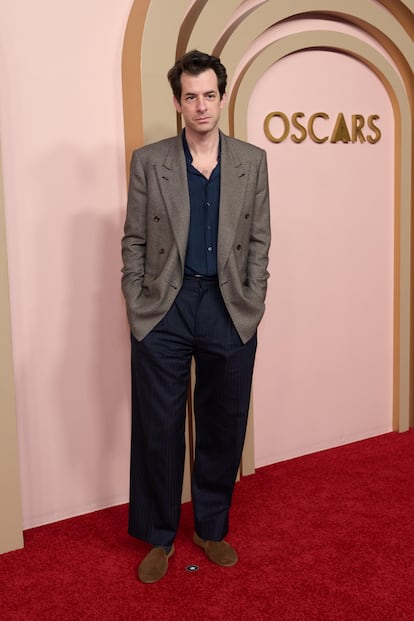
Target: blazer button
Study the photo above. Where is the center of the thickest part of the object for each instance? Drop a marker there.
(238, 247)
(162, 251)
(247, 216)
(156, 218)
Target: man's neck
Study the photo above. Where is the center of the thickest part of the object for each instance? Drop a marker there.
(203, 145)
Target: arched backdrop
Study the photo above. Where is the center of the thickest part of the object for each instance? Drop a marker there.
(249, 37)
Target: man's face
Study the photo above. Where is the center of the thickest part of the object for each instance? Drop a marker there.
(200, 103)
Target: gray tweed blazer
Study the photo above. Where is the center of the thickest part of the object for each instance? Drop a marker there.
(157, 224)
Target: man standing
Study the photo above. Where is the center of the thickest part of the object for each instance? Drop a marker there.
(195, 255)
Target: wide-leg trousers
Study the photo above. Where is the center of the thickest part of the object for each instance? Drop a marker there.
(197, 325)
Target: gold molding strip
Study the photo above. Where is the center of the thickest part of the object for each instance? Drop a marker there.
(131, 79)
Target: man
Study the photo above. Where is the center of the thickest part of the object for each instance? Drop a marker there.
(195, 254)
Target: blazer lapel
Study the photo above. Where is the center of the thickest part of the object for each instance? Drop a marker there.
(172, 177)
(233, 180)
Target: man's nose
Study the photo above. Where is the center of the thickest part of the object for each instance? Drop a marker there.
(201, 104)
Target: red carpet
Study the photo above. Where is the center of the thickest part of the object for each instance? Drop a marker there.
(329, 536)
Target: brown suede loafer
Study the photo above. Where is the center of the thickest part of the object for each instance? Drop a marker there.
(155, 565)
(220, 552)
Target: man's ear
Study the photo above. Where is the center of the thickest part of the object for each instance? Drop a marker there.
(177, 104)
(223, 101)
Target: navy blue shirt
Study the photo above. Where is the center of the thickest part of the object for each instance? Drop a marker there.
(201, 256)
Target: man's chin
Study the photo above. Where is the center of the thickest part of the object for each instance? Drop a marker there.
(203, 128)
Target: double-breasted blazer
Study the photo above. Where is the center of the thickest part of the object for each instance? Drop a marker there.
(157, 224)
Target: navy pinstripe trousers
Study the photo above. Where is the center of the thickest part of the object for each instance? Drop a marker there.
(197, 325)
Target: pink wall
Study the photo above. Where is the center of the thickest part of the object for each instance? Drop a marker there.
(324, 369)
(61, 130)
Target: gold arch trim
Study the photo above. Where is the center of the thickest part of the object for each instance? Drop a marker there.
(11, 533)
(403, 12)
(132, 79)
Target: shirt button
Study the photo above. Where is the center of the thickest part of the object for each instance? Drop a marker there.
(209, 248)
